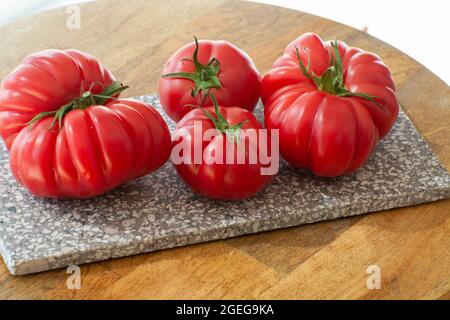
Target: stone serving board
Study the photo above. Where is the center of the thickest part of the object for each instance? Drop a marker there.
(158, 211)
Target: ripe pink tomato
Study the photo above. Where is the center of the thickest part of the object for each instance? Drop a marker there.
(82, 141)
(332, 104)
(212, 176)
(208, 66)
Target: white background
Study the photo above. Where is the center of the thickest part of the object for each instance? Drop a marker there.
(419, 28)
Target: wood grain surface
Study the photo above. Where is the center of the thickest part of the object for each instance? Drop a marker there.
(324, 260)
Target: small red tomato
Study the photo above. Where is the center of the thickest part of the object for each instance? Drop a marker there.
(67, 133)
(332, 104)
(207, 66)
(226, 164)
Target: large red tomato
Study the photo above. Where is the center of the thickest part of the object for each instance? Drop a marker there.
(212, 175)
(68, 135)
(208, 66)
(331, 102)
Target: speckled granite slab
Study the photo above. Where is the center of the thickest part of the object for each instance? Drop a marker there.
(157, 211)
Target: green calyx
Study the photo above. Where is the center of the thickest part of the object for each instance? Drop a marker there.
(205, 77)
(86, 99)
(332, 80)
(221, 124)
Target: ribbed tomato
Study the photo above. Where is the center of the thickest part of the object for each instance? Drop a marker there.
(332, 104)
(68, 134)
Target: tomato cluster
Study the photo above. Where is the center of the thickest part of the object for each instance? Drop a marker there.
(70, 135)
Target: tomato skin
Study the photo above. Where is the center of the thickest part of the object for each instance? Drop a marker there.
(328, 134)
(238, 75)
(96, 149)
(222, 181)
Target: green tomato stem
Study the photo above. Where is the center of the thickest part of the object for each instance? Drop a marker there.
(332, 79)
(86, 99)
(205, 77)
(220, 123)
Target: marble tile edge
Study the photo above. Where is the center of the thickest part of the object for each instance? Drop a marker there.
(212, 234)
